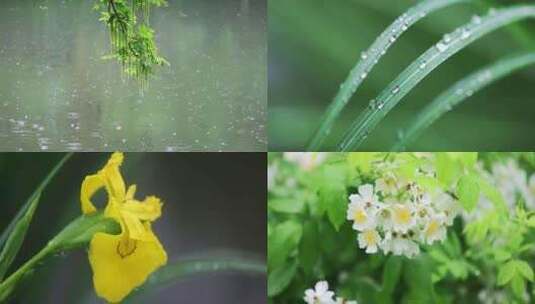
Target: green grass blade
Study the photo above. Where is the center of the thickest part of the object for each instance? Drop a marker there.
(368, 60)
(188, 268)
(460, 92)
(78, 233)
(6, 233)
(425, 64)
(16, 237)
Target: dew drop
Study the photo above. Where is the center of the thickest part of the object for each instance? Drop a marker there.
(363, 55)
(465, 34)
(395, 90)
(422, 65)
(476, 19)
(441, 47)
(392, 39)
(363, 75)
(447, 38)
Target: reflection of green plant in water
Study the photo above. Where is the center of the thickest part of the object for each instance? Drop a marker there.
(132, 38)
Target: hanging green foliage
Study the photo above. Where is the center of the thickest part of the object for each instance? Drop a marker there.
(132, 38)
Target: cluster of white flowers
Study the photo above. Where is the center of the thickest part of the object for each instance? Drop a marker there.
(397, 215)
(511, 181)
(306, 160)
(322, 295)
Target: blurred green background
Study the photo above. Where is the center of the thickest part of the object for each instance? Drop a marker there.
(212, 202)
(313, 44)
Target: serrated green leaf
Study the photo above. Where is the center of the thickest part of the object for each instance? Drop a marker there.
(524, 269)
(361, 160)
(518, 285)
(286, 205)
(281, 277)
(333, 195)
(283, 240)
(391, 274)
(309, 250)
(447, 169)
(506, 272)
(16, 237)
(468, 192)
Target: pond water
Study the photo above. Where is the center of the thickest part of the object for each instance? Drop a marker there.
(57, 93)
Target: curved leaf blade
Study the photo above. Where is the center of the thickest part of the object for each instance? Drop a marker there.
(451, 44)
(369, 59)
(16, 237)
(460, 91)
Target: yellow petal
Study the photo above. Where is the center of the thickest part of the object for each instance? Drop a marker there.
(90, 186)
(114, 181)
(131, 192)
(118, 267)
(148, 210)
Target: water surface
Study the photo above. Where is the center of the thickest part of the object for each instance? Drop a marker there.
(57, 93)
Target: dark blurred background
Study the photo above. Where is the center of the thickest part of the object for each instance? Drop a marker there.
(313, 44)
(212, 201)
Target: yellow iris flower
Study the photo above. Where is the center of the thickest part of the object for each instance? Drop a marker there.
(122, 262)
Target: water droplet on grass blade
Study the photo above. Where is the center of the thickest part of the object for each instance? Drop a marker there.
(441, 47)
(395, 90)
(363, 55)
(476, 19)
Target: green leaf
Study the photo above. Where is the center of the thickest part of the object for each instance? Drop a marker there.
(280, 278)
(286, 205)
(392, 274)
(333, 195)
(450, 98)
(407, 80)
(361, 160)
(468, 192)
(16, 237)
(76, 234)
(309, 250)
(333, 199)
(417, 274)
(283, 240)
(36, 192)
(364, 66)
(506, 273)
(188, 268)
(518, 285)
(524, 269)
(447, 169)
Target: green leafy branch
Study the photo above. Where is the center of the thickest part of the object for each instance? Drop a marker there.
(132, 38)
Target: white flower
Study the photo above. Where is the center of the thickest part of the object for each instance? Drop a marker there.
(305, 160)
(434, 229)
(363, 208)
(362, 218)
(403, 217)
(399, 244)
(369, 239)
(388, 184)
(446, 204)
(344, 301)
(320, 294)
(365, 196)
